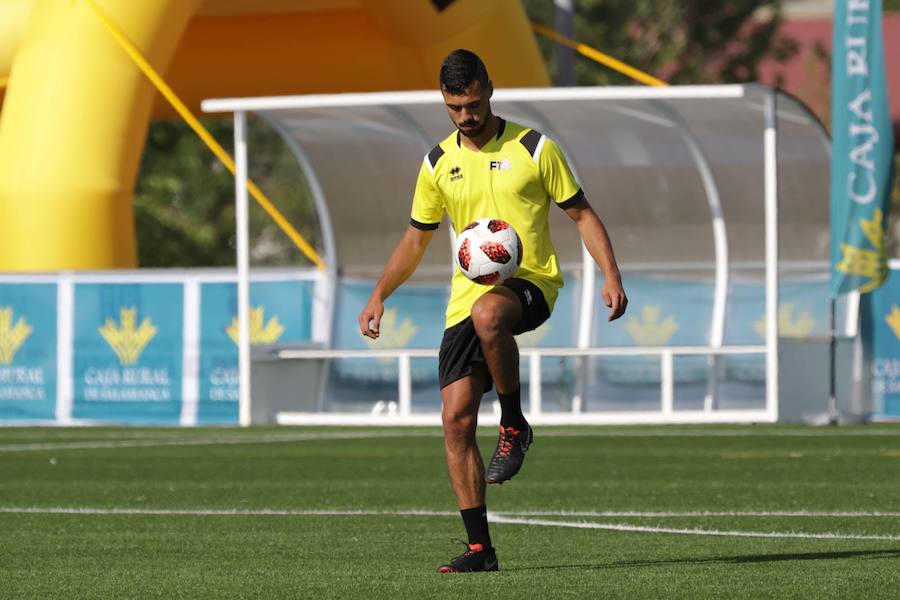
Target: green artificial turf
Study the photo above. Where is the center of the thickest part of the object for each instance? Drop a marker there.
(236, 552)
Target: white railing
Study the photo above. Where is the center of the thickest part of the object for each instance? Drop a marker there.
(666, 414)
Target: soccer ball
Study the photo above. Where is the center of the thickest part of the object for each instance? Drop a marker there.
(488, 251)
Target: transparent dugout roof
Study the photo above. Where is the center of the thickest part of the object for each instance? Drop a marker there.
(658, 164)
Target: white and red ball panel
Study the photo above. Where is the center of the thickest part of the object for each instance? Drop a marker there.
(488, 251)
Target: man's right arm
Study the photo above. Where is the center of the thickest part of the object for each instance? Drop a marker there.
(402, 263)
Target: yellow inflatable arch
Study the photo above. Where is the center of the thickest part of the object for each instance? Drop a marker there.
(75, 111)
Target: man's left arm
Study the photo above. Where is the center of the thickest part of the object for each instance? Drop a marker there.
(563, 189)
(593, 232)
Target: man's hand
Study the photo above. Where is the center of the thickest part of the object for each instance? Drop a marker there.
(595, 238)
(403, 261)
(614, 295)
(370, 318)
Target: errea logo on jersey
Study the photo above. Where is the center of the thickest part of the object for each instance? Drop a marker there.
(455, 173)
(501, 165)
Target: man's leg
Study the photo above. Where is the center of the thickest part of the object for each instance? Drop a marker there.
(461, 400)
(494, 316)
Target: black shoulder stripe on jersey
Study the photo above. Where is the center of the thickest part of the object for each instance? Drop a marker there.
(436, 153)
(424, 226)
(576, 199)
(530, 141)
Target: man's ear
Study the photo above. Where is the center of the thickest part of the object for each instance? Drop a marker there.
(490, 89)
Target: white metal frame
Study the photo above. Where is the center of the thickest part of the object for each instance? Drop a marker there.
(770, 150)
(65, 331)
(326, 284)
(666, 414)
(226, 105)
(243, 266)
(240, 105)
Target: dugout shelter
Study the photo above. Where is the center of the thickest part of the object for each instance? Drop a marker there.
(716, 198)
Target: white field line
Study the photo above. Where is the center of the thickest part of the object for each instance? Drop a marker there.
(725, 434)
(265, 512)
(175, 439)
(86, 434)
(500, 519)
(262, 512)
(693, 514)
(713, 532)
(278, 438)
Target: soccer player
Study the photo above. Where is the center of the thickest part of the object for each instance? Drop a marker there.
(489, 167)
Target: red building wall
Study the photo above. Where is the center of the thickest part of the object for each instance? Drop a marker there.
(808, 75)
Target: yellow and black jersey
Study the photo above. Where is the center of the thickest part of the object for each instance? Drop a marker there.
(514, 177)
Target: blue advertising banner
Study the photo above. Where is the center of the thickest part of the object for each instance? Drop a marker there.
(28, 351)
(127, 354)
(803, 311)
(882, 325)
(561, 329)
(661, 312)
(281, 313)
(413, 318)
(862, 157)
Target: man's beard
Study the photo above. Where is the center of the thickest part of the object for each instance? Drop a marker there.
(473, 132)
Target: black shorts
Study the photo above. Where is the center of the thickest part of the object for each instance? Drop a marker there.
(461, 348)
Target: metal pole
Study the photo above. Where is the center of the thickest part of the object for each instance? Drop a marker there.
(565, 56)
(832, 351)
(534, 384)
(404, 375)
(243, 267)
(667, 382)
(770, 150)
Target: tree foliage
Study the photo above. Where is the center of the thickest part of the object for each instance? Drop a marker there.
(182, 210)
(680, 41)
(184, 198)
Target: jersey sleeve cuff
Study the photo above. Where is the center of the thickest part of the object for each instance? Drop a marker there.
(577, 198)
(424, 226)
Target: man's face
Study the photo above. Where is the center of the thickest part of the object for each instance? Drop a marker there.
(470, 110)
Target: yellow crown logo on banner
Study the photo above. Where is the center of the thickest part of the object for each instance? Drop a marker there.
(800, 324)
(127, 339)
(648, 330)
(11, 336)
(259, 333)
(893, 320)
(392, 335)
(863, 262)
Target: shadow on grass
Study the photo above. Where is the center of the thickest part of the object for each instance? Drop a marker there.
(749, 558)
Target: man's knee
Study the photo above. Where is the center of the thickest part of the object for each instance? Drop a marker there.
(458, 423)
(488, 317)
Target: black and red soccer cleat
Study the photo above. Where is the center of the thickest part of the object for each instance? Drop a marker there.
(475, 558)
(510, 453)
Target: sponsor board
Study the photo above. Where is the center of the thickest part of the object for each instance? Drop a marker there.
(28, 351)
(281, 314)
(127, 352)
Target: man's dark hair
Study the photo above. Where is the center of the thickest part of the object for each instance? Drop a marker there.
(460, 69)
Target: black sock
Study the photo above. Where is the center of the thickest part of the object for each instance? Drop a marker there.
(511, 409)
(475, 520)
